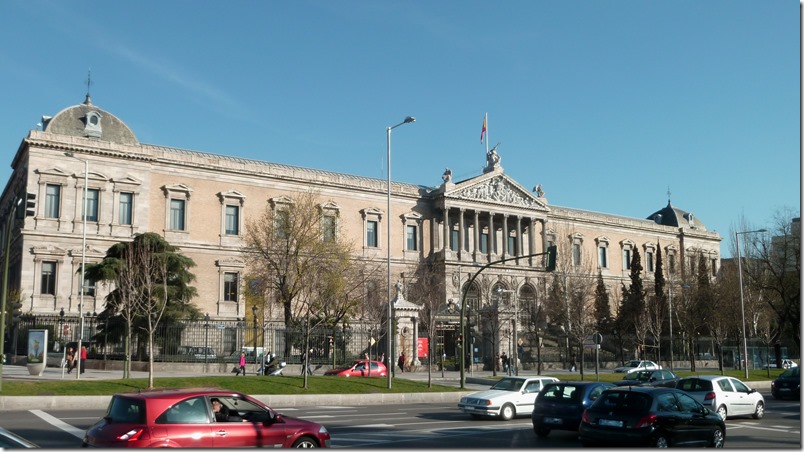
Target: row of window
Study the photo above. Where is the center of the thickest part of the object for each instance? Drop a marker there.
(53, 204)
(47, 286)
(627, 255)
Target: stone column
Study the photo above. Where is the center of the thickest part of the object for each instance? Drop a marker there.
(476, 234)
(518, 237)
(446, 231)
(492, 234)
(505, 250)
(461, 233)
(531, 239)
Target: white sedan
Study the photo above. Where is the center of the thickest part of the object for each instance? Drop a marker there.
(636, 364)
(508, 398)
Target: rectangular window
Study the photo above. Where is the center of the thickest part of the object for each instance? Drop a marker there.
(371, 234)
(671, 262)
(232, 220)
(52, 201)
(627, 259)
(484, 242)
(177, 214)
(512, 246)
(48, 286)
(282, 224)
(453, 240)
(88, 287)
(126, 207)
(230, 287)
(601, 257)
(649, 261)
(92, 204)
(411, 239)
(714, 267)
(576, 254)
(329, 224)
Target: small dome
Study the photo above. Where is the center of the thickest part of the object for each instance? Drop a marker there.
(88, 121)
(672, 216)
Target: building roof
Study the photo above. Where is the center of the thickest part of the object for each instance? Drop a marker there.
(672, 216)
(78, 121)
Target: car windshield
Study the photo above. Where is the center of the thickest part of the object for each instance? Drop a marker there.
(638, 376)
(633, 364)
(509, 384)
(791, 372)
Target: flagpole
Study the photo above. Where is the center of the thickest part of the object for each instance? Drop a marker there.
(486, 123)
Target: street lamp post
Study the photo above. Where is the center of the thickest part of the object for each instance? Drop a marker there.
(61, 341)
(407, 120)
(206, 337)
(742, 301)
(83, 265)
(670, 309)
(256, 363)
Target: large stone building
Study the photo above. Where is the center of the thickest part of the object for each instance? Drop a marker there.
(200, 202)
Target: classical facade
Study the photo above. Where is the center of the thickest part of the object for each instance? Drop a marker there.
(200, 202)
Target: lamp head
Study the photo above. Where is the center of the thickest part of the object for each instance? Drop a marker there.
(61, 313)
(206, 317)
(254, 311)
(409, 119)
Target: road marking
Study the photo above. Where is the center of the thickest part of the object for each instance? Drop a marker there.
(56, 422)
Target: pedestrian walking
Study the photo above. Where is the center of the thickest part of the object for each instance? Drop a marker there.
(83, 358)
(401, 362)
(70, 359)
(242, 363)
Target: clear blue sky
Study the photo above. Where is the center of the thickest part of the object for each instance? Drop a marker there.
(607, 104)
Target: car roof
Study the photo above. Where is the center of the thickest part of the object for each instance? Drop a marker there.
(707, 377)
(175, 392)
(645, 389)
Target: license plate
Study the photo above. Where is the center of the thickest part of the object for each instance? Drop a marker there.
(610, 423)
(552, 420)
(784, 389)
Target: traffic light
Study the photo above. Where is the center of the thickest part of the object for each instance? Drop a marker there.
(331, 340)
(16, 311)
(551, 258)
(460, 340)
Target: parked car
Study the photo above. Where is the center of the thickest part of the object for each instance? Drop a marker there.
(10, 440)
(661, 377)
(186, 418)
(560, 405)
(727, 395)
(787, 385)
(786, 364)
(636, 364)
(196, 352)
(655, 417)
(508, 398)
(361, 369)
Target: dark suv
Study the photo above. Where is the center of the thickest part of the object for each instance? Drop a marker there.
(189, 418)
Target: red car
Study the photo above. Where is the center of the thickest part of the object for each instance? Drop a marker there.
(199, 418)
(360, 369)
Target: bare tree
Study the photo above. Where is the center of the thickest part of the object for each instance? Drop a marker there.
(287, 247)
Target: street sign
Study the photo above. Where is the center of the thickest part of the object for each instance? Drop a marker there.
(598, 338)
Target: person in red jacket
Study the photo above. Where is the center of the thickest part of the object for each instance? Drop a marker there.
(83, 357)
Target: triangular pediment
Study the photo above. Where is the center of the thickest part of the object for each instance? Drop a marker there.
(496, 188)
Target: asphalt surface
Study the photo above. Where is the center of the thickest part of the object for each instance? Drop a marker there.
(475, 381)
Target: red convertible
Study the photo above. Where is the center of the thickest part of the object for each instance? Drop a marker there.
(361, 369)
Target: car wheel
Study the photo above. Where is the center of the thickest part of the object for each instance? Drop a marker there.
(721, 410)
(305, 442)
(718, 439)
(661, 441)
(507, 412)
(759, 411)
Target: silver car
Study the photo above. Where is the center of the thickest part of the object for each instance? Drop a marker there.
(727, 395)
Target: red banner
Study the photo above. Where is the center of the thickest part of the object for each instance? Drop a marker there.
(422, 347)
